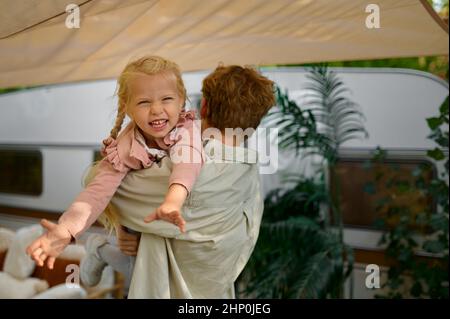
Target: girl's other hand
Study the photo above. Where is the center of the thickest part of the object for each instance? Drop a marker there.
(168, 212)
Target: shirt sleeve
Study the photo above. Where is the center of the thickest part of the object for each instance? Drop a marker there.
(92, 201)
(187, 155)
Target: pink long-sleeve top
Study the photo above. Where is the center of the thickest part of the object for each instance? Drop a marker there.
(130, 152)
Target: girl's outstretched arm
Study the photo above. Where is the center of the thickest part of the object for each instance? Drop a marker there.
(92, 201)
(83, 212)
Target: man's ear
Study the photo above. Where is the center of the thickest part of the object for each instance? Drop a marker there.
(203, 108)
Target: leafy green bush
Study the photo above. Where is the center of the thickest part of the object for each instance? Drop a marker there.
(409, 234)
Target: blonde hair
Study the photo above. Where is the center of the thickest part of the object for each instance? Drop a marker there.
(150, 65)
(110, 218)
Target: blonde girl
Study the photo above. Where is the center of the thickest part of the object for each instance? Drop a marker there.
(152, 94)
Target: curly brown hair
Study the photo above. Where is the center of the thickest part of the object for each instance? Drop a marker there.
(236, 97)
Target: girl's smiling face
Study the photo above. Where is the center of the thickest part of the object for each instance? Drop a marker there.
(154, 103)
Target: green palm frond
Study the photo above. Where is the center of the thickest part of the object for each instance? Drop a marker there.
(326, 119)
(304, 199)
(294, 258)
(315, 277)
(297, 127)
(341, 118)
(294, 225)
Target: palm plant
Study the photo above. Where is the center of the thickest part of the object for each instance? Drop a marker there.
(340, 120)
(297, 256)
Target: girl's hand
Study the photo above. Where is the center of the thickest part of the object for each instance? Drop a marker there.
(48, 246)
(169, 212)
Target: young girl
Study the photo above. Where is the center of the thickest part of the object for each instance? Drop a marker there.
(151, 92)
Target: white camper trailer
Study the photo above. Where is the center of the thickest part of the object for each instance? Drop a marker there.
(49, 136)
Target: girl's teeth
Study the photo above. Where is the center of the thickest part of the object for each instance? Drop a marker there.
(158, 123)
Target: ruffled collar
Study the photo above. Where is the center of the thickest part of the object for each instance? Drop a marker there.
(147, 155)
(155, 153)
(173, 135)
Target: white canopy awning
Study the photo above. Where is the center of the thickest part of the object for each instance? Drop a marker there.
(37, 47)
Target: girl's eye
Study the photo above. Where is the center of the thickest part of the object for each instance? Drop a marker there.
(143, 102)
(168, 98)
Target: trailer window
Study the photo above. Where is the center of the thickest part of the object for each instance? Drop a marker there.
(21, 172)
(370, 192)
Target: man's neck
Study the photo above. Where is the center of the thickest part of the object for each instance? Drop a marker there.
(226, 140)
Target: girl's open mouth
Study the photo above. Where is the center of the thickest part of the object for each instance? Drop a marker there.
(158, 124)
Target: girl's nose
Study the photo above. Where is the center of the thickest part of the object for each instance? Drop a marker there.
(156, 109)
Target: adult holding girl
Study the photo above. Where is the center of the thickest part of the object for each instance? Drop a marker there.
(199, 220)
